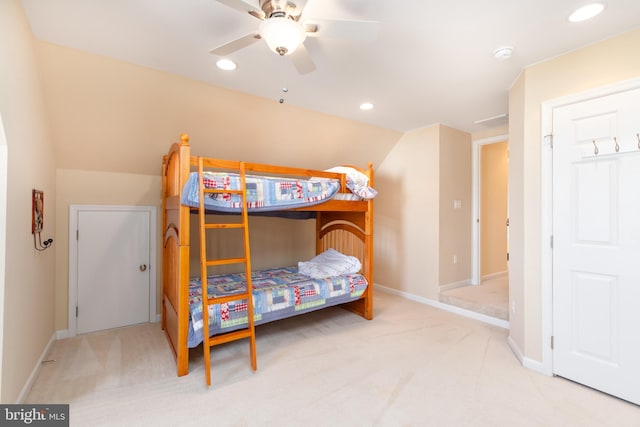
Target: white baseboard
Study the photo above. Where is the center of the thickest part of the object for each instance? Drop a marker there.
(446, 307)
(455, 285)
(534, 365)
(515, 349)
(526, 362)
(495, 275)
(60, 335)
(35, 371)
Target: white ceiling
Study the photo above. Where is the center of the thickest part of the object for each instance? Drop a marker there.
(432, 60)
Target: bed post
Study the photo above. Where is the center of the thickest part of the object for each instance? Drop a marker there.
(175, 252)
(368, 244)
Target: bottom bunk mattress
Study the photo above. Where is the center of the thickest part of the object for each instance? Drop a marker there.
(278, 293)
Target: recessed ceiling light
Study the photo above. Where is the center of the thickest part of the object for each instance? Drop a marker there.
(366, 106)
(586, 12)
(226, 64)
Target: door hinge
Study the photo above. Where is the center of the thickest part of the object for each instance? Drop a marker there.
(551, 242)
(550, 136)
(551, 342)
(507, 256)
(76, 311)
(77, 234)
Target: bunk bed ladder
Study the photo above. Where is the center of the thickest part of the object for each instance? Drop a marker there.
(249, 331)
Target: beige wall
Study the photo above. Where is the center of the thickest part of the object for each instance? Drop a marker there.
(113, 116)
(455, 224)
(607, 62)
(407, 215)
(78, 187)
(28, 314)
(417, 229)
(275, 242)
(494, 174)
(516, 212)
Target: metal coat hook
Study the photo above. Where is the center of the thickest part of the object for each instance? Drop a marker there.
(617, 145)
(595, 149)
(40, 245)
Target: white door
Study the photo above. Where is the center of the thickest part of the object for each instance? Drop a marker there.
(596, 243)
(113, 268)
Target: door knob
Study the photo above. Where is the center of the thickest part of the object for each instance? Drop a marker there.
(143, 267)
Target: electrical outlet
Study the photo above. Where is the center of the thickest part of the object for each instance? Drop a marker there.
(455, 259)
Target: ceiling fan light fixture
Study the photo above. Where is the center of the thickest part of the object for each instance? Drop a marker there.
(283, 35)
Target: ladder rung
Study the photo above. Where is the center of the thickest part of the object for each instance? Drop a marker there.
(230, 336)
(221, 191)
(225, 261)
(227, 298)
(210, 226)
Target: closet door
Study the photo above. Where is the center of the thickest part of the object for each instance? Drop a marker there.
(113, 268)
(596, 245)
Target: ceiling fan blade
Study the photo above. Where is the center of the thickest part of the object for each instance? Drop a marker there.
(244, 7)
(300, 4)
(236, 44)
(302, 60)
(338, 29)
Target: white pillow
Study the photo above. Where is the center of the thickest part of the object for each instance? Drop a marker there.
(329, 263)
(357, 182)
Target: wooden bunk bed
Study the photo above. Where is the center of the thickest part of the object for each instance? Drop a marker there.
(343, 224)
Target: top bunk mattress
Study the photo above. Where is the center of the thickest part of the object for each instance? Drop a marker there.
(264, 193)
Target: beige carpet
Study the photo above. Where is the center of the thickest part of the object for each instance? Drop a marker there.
(490, 298)
(413, 365)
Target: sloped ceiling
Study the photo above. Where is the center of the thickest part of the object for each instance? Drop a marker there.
(430, 62)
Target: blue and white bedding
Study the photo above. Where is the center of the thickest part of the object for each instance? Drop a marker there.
(263, 193)
(277, 293)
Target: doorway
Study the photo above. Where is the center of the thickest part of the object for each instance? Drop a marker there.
(112, 279)
(488, 289)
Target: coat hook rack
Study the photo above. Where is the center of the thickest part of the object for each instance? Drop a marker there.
(37, 221)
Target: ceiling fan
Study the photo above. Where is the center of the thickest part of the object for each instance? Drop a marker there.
(285, 32)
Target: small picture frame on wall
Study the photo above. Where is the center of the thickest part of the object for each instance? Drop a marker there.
(37, 211)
